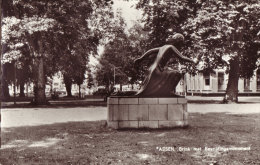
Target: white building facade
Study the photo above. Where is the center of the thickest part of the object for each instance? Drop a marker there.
(216, 83)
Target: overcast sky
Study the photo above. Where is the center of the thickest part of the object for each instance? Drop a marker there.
(129, 12)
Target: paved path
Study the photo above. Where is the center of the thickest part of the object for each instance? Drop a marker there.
(60, 102)
(192, 99)
(249, 99)
(228, 108)
(15, 117)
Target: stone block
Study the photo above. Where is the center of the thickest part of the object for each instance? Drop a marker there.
(175, 112)
(164, 124)
(158, 112)
(114, 109)
(120, 112)
(138, 112)
(147, 112)
(177, 124)
(128, 124)
(182, 100)
(170, 124)
(168, 100)
(148, 100)
(112, 100)
(185, 116)
(185, 108)
(128, 100)
(185, 123)
(110, 112)
(123, 113)
(112, 124)
(148, 124)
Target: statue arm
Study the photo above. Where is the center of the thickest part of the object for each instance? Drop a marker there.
(148, 53)
(180, 55)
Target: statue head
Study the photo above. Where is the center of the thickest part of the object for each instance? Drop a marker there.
(175, 39)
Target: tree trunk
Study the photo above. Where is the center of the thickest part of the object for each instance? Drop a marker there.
(27, 89)
(36, 44)
(121, 87)
(5, 95)
(231, 95)
(21, 89)
(40, 97)
(68, 85)
(1, 67)
(4, 90)
(108, 86)
(68, 89)
(79, 91)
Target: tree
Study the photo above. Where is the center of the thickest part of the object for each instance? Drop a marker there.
(15, 73)
(1, 66)
(90, 80)
(79, 75)
(81, 40)
(68, 84)
(23, 76)
(114, 61)
(1, 69)
(138, 39)
(50, 30)
(29, 30)
(164, 18)
(217, 33)
(226, 34)
(5, 95)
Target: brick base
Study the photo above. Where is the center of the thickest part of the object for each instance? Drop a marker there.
(124, 112)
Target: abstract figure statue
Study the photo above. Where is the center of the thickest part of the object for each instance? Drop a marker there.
(162, 78)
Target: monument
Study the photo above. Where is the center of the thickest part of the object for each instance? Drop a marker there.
(155, 105)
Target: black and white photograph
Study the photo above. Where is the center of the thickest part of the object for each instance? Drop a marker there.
(118, 82)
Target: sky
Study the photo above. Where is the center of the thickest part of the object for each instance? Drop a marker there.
(129, 12)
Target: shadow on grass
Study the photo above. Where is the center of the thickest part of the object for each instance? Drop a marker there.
(82, 103)
(89, 142)
(57, 130)
(153, 129)
(73, 104)
(218, 102)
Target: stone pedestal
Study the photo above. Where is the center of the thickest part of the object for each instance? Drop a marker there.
(135, 112)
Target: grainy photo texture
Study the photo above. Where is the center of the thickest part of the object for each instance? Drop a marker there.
(130, 82)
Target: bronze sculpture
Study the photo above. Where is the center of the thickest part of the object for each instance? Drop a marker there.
(162, 79)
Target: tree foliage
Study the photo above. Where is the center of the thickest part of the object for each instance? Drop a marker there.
(90, 80)
(115, 55)
(165, 18)
(217, 33)
(223, 30)
(226, 34)
(53, 31)
(117, 60)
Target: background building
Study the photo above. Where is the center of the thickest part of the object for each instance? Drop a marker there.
(216, 83)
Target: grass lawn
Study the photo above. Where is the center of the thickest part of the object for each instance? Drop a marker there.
(208, 140)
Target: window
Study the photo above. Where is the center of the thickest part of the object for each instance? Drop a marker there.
(220, 80)
(207, 79)
(246, 84)
(258, 79)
